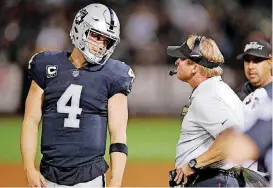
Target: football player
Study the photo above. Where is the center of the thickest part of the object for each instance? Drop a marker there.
(76, 95)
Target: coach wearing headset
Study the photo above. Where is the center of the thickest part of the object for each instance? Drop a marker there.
(213, 107)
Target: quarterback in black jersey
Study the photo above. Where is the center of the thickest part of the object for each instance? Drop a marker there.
(76, 95)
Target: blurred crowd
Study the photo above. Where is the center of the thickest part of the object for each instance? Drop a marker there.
(147, 27)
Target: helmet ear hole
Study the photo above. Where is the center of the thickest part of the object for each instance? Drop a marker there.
(111, 43)
(87, 32)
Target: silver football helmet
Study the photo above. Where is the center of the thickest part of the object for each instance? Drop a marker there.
(98, 19)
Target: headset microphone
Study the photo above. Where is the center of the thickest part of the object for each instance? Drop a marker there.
(173, 72)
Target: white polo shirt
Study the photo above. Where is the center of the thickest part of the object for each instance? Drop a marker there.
(213, 108)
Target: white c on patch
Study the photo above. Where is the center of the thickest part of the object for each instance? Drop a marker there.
(51, 71)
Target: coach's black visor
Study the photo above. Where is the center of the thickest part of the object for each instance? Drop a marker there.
(184, 52)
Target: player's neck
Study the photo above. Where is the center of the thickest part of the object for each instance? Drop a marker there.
(77, 58)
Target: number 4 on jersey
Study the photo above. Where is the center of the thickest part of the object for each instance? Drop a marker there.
(73, 92)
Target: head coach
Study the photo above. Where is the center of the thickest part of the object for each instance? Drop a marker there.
(213, 107)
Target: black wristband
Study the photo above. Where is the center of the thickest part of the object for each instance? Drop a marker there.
(118, 147)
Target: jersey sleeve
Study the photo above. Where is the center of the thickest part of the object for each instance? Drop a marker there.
(264, 128)
(216, 117)
(123, 82)
(36, 70)
(262, 125)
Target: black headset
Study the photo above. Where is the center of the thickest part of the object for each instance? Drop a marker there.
(196, 56)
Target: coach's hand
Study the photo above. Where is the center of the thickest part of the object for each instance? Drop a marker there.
(183, 172)
(35, 178)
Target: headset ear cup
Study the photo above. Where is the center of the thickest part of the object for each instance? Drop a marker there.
(195, 54)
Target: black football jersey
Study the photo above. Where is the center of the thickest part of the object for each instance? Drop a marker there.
(74, 118)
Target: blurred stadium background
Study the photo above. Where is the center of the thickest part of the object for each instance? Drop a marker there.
(147, 28)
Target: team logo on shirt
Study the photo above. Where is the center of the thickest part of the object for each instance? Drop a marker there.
(75, 73)
(51, 71)
(252, 101)
(184, 111)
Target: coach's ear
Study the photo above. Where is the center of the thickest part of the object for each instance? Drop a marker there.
(194, 70)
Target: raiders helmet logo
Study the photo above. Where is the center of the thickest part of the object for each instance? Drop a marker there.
(80, 16)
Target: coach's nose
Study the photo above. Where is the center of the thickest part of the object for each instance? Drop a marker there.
(177, 62)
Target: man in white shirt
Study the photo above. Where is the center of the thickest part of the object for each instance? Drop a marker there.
(256, 143)
(257, 60)
(213, 107)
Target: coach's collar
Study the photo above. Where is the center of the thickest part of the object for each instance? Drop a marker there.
(204, 83)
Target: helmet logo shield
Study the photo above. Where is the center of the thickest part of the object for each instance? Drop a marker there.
(80, 16)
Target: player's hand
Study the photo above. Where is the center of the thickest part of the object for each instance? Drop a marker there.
(35, 178)
(182, 173)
